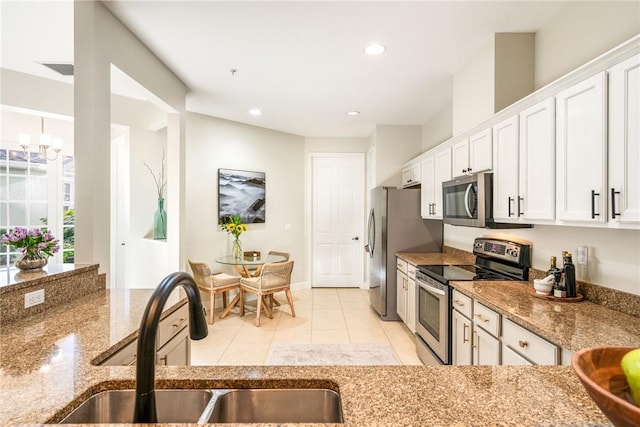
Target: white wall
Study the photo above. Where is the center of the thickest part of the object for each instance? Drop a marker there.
(473, 89)
(36, 93)
(336, 145)
(99, 41)
(395, 145)
(438, 128)
(214, 143)
(584, 31)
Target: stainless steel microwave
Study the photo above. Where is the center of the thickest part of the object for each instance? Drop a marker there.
(468, 200)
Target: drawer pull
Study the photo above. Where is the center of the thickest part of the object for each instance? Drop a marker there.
(180, 322)
(482, 318)
(458, 302)
(523, 344)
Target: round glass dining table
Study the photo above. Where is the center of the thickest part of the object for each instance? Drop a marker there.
(250, 266)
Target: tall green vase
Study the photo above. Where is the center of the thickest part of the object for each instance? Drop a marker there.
(160, 222)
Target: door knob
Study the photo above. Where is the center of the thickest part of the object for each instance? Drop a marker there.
(355, 238)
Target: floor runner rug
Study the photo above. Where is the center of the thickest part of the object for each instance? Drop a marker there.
(332, 354)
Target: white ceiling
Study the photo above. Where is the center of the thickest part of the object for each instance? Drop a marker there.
(301, 63)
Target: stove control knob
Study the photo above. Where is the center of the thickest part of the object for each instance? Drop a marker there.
(513, 252)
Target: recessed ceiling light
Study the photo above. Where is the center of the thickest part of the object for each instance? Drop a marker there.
(255, 112)
(374, 49)
(353, 113)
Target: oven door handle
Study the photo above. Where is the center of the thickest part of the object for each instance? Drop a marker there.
(431, 289)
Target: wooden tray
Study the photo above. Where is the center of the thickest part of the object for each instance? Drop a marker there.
(577, 298)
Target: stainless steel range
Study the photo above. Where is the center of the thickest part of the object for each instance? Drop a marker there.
(496, 259)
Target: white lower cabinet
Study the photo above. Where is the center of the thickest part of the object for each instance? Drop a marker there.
(401, 295)
(528, 345)
(480, 336)
(472, 343)
(510, 357)
(411, 298)
(173, 346)
(461, 345)
(486, 347)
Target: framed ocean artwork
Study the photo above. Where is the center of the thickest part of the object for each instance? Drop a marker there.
(241, 193)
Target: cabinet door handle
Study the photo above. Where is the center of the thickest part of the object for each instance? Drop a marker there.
(481, 317)
(523, 344)
(464, 332)
(474, 341)
(133, 361)
(520, 199)
(593, 204)
(613, 203)
(163, 359)
(509, 200)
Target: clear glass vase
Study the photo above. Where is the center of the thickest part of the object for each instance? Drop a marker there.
(236, 250)
(160, 222)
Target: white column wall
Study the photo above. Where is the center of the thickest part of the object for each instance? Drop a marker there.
(99, 40)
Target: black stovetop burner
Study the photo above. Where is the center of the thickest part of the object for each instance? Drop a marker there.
(445, 273)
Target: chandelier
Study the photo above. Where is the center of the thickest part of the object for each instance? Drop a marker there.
(46, 142)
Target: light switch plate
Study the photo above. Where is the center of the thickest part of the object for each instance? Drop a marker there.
(582, 255)
(33, 298)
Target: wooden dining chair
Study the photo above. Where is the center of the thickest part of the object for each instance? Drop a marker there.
(212, 284)
(274, 277)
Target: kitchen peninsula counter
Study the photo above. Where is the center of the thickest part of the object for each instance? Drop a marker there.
(46, 370)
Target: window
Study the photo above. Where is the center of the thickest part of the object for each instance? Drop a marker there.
(25, 199)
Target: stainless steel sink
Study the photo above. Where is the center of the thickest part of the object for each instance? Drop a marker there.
(277, 406)
(116, 406)
(215, 406)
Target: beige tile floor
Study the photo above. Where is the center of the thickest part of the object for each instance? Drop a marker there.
(323, 316)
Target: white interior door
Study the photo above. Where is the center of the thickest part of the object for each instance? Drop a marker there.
(119, 210)
(337, 220)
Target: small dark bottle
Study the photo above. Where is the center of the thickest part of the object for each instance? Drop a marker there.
(559, 290)
(569, 276)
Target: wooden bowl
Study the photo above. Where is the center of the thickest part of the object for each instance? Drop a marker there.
(601, 375)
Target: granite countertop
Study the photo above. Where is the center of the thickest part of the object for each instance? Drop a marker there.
(424, 258)
(12, 278)
(573, 326)
(46, 370)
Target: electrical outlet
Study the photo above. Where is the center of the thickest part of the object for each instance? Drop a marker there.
(33, 298)
(582, 255)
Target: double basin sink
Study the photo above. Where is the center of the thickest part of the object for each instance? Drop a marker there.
(216, 406)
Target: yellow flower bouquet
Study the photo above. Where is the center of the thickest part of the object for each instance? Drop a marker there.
(234, 226)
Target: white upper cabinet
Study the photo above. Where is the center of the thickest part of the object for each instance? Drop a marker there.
(581, 151)
(473, 154)
(624, 143)
(427, 188)
(505, 169)
(411, 175)
(480, 150)
(436, 169)
(536, 199)
(460, 158)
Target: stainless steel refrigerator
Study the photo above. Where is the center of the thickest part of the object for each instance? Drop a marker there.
(395, 225)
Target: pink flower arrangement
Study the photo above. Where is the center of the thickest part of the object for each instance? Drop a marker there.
(32, 242)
